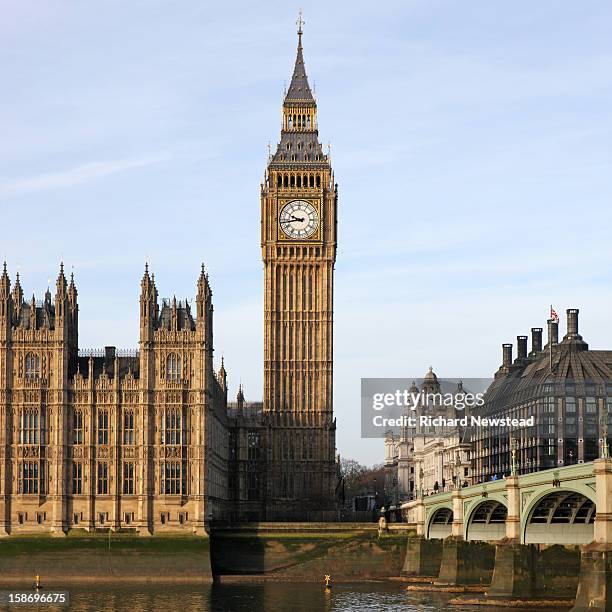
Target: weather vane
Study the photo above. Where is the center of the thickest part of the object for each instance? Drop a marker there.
(300, 22)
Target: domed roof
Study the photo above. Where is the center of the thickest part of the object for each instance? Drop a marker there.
(431, 375)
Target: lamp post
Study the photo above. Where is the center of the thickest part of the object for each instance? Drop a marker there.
(513, 462)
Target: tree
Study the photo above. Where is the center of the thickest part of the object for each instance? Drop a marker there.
(361, 480)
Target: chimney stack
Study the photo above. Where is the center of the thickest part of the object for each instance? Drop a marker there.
(521, 347)
(507, 356)
(536, 340)
(553, 332)
(572, 323)
(572, 336)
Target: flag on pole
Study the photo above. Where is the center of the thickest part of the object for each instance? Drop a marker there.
(553, 315)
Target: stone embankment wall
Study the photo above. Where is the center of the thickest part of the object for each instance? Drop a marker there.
(86, 558)
(309, 551)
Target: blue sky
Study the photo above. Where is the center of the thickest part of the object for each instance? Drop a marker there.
(471, 144)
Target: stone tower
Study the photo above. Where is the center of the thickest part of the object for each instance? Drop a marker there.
(298, 241)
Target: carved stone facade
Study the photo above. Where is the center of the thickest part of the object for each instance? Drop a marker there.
(106, 439)
(146, 440)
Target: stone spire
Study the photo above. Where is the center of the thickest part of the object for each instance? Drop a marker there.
(72, 290)
(17, 295)
(222, 375)
(61, 283)
(5, 283)
(299, 89)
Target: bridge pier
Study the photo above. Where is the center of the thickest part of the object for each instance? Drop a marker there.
(595, 584)
(514, 574)
(466, 562)
(423, 557)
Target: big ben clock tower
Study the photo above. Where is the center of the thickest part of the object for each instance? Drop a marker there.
(298, 241)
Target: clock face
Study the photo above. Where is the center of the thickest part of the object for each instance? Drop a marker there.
(299, 219)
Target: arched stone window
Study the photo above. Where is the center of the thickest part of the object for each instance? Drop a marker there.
(32, 366)
(173, 426)
(128, 427)
(77, 427)
(173, 367)
(29, 426)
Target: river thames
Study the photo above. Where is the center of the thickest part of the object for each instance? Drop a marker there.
(268, 597)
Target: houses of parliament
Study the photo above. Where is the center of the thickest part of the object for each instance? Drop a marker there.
(146, 440)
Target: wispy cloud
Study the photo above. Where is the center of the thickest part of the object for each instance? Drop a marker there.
(74, 176)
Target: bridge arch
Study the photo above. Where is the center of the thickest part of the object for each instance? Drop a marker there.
(487, 521)
(560, 516)
(440, 523)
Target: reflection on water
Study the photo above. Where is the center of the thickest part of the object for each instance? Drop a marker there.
(267, 597)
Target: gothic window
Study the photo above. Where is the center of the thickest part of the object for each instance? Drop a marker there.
(253, 441)
(173, 367)
(172, 482)
(286, 180)
(77, 478)
(128, 427)
(32, 366)
(311, 180)
(28, 483)
(299, 180)
(77, 426)
(29, 426)
(128, 478)
(318, 178)
(232, 446)
(252, 486)
(286, 485)
(308, 121)
(172, 430)
(279, 181)
(102, 426)
(102, 478)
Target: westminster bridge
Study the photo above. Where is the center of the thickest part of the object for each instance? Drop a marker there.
(507, 533)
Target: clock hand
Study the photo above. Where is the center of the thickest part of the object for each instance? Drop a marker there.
(292, 219)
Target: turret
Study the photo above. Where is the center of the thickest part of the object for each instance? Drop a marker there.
(222, 376)
(204, 308)
(61, 299)
(5, 303)
(17, 298)
(148, 305)
(240, 398)
(73, 313)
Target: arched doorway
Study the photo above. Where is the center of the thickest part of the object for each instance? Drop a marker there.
(562, 517)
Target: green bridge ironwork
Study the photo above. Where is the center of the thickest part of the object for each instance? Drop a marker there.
(570, 504)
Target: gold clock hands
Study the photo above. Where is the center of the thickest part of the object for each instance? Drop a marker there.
(292, 220)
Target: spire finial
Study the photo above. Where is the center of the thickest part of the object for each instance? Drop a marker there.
(299, 23)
